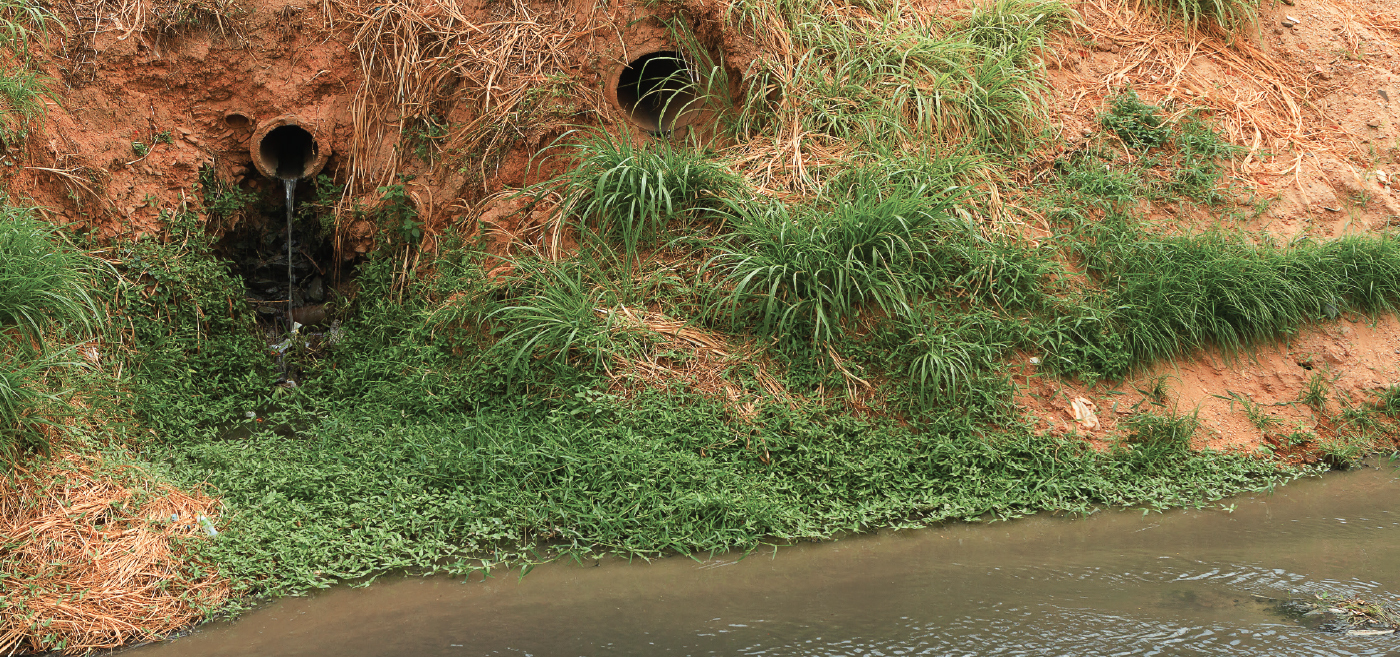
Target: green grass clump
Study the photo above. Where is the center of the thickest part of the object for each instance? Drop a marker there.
(628, 193)
(45, 295)
(1163, 297)
(955, 358)
(1016, 28)
(44, 283)
(22, 94)
(878, 80)
(565, 317)
(20, 21)
(1231, 15)
(1187, 149)
(804, 270)
(1138, 124)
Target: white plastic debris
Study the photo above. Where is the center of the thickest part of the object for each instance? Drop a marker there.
(208, 526)
(1083, 412)
(1035, 360)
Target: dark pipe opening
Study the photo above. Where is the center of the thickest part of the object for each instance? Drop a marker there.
(656, 90)
(237, 121)
(288, 150)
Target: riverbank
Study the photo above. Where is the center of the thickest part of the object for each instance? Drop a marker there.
(889, 266)
(1194, 581)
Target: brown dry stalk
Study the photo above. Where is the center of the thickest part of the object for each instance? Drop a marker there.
(703, 372)
(426, 57)
(1258, 100)
(93, 563)
(138, 17)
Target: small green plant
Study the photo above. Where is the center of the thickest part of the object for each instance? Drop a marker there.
(1138, 124)
(397, 214)
(1314, 394)
(1153, 438)
(1255, 412)
(223, 201)
(322, 205)
(22, 97)
(1156, 390)
(45, 294)
(1343, 450)
(1387, 402)
(1115, 185)
(622, 192)
(163, 137)
(1300, 437)
(1358, 418)
(424, 135)
(140, 149)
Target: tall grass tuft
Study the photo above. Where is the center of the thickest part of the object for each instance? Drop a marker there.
(22, 94)
(20, 21)
(805, 269)
(565, 318)
(44, 291)
(1015, 28)
(629, 193)
(1166, 296)
(952, 357)
(44, 284)
(1230, 15)
(884, 78)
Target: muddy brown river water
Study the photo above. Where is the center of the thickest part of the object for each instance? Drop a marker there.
(1193, 582)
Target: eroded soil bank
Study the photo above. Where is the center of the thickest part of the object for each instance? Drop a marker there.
(575, 280)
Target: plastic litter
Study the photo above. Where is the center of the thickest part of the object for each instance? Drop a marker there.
(1083, 412)
(208, 526)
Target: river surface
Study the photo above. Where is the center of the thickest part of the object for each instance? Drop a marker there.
(1192, 582)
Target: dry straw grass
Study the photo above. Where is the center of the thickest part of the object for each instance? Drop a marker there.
(1261, 100)
(93, 560)
(127, 18)
(708, 357)
(420, 59)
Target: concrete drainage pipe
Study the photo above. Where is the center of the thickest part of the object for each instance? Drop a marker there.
(286, 147)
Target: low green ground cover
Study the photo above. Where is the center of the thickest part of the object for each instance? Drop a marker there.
(461, 422)
(456, 421)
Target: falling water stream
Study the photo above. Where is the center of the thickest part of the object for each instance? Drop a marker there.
(1185, 582)
(290, 184)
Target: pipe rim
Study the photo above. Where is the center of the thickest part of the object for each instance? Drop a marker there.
(321, 153)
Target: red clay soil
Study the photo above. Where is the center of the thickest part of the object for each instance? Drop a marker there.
(1315, 105)
(1355, 357)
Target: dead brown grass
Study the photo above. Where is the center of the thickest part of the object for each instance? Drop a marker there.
(698, 360)
(154, 17)
(1259, 101)
(93, 559)
(421, 59)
